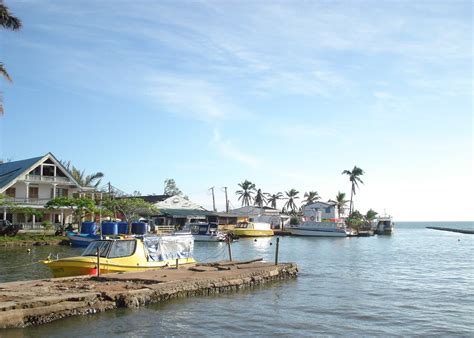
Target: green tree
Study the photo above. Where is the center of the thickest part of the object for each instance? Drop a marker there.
(354, 177)
(7, 21)
(341, 202)
(130, 208)
(273, 198)
(248, 189)
(370, 215)
(290, 205)
(80, 206)
(171, 189)
(355, 220)
(260, 198)
(310, 197)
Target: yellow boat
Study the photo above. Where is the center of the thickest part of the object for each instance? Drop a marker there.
(253, 229)
(126, 254)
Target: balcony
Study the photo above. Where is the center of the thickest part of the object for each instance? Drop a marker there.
(27, 201)
(52, 179)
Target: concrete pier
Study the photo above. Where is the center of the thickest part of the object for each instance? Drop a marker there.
(36, 302)
(461, 231)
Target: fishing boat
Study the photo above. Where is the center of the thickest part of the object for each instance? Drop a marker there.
(384, 225)
(124, 254)
(205, 232)
(253, 229)
(333, 228)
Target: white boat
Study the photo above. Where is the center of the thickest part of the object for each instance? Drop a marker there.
(205, 232)
(384, 225)
(318, 229)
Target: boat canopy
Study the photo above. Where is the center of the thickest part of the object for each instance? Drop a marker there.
(162, 248)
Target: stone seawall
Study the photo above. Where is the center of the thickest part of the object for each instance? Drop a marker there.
(42, 301)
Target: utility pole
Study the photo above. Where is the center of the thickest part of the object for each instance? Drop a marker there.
(213, 199)
(226, 201)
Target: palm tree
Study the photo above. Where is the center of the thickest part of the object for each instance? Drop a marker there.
(370, 216)
(260, 198)
(341, 202)
(311, 197)
(273, 198)
(291, 196)
(245, 194)
(92, 180)
(8, 21)
(355, 179)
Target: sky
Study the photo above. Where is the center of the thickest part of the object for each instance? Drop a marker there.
(286, 94)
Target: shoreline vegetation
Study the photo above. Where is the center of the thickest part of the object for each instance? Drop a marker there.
(33, 239)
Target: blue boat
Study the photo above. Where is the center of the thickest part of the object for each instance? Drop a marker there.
(81, 240)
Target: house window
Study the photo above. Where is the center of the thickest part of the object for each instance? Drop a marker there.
(33, 192)
(36, 171)
(11, 192)
(48, 170)
(328, 210)
(61, 192)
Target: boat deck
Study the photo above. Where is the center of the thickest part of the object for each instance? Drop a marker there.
(35, 302)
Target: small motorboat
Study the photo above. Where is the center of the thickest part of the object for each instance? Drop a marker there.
(126, 253)
(318, 229)
(253, 229)
(384, 225)
(205, 232)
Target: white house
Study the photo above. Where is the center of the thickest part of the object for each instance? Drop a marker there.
(320, 211)
(262, 214)
(31, 183)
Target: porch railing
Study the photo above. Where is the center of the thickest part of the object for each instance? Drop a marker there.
(48, 178)
(29, 201)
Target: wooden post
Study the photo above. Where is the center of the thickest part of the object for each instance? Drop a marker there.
(230, 251)
(98, 262)
(276, 250)
(177, 263)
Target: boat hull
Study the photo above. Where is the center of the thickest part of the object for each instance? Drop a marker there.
(207, 238)
(317, 233)
(77, 266)
(253, 233)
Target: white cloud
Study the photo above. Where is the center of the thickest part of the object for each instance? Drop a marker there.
(228, 149)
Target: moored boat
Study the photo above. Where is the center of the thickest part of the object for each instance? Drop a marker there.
(205, 232)
(384, 225)
(318, 229)
(126, 253)
(253, 229)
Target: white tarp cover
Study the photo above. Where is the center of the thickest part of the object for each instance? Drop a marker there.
(161, 248)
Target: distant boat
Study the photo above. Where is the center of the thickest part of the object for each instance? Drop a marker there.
(253, 229)
(384, 225)
(205, 232)
(318, 229)
(126, 253)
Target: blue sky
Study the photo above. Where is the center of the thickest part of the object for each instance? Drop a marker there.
(286, 94)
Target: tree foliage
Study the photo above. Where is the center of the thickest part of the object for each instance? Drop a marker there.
(91, 180)
(260, 198)
(171, 189)
(80, 206)
(246, 193)
(341, 202)
(10, 22)
(354, 178)
(273, 198)
(290, 205)
(130, 208)
(310, 197)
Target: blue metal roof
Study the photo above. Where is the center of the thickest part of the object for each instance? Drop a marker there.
(11, 170)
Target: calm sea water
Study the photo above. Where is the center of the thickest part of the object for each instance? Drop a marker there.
(415, 282)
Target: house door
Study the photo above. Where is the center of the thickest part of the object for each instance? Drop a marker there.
(33, 192)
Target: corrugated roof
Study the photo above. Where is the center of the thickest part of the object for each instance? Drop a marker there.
(186, 212)
(11, 170)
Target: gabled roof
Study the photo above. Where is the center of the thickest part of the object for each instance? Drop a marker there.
(11, 170)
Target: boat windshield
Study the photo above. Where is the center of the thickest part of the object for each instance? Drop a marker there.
(242, 225)
(103, 247)
(122, 248)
